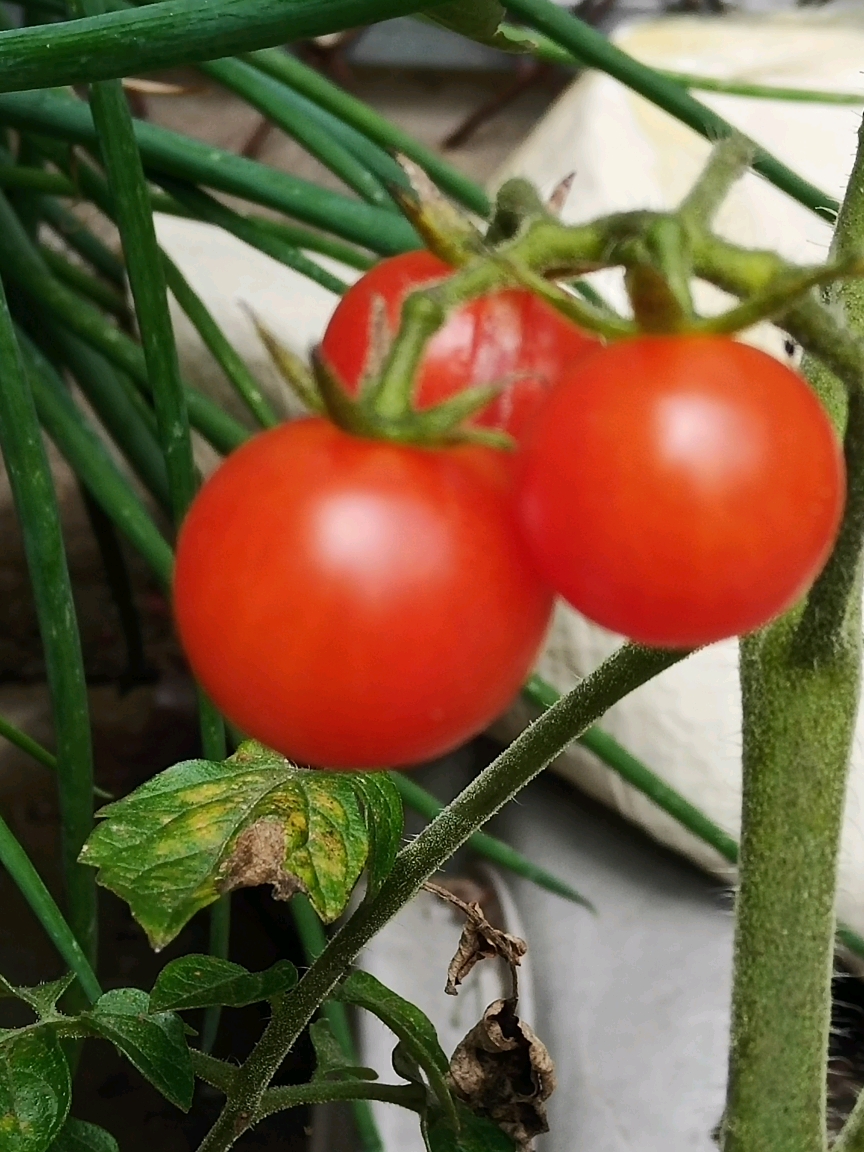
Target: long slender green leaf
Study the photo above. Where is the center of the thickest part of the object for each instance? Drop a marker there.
(591, 48)
(79, 442)
(366, 150)
(122, 161)
(179, 156)
(141, 40)
(21, 262)
(213, 211)
(265, 94)
(117, 404)
(305, 240)
(36, 505)
(83, 241)
(366, 120)
(76, 277)
(27, 744)
(226, 355)
(31, 886)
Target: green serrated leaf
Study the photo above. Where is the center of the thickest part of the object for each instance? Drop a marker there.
(413, 1028)
(201, 829)
(35, 1091)
(475, 1134)
(42, 998)
(79, 1136)
(154, 1043)
(477, 19)
(330, 1062)
(385, 818)
(205, 981)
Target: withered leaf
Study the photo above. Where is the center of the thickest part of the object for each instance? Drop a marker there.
(503, 1071)
(480, 940)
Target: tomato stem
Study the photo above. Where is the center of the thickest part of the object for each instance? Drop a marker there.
(800, 682)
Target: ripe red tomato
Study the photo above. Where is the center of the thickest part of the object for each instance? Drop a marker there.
(508, 337)
(358, 603)
(681, 489)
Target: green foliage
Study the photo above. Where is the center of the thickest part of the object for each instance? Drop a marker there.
(330, 1061)
(80, 1136)
(475, 1134)
(202, 828)
(207, 981)
(154, 1043)
(418, 1039)
(35, 1090)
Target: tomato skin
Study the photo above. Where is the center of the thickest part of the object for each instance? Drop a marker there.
(681, 489)
(503, 335)
(357, 603)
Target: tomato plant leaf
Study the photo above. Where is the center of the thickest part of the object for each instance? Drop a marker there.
(416, 1032)
(202, 828)
(43, 997)
(154, 1043)
(80, 1136)
(205, 981)
(385, 819)
(475, 1133)
(477, 19)
(330, 1062)
(35, 1091)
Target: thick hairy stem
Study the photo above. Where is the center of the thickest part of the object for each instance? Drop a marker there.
(798, 725)
(799, 719)
(511, 771)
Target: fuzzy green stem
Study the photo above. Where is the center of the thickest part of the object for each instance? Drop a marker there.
(798, 724)
(728, 162)
(527, 756)
(489, 847)
(411, 1096)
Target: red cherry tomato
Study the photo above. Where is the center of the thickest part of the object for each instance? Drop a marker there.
(509, 337)
(357, 603)
(681, 489)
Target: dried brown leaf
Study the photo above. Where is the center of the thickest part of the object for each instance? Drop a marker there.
(503, 1071)
(480, 940)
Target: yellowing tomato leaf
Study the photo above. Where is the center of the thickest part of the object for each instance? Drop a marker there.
(206, 981)
(35, 1091)
(80, 1136)
(201, 828)
(154, 1042)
